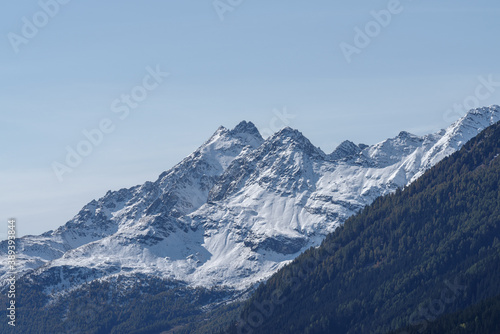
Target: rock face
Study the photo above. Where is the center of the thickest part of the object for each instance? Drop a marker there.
(235, 210)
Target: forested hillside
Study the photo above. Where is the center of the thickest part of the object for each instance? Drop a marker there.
(482, 318)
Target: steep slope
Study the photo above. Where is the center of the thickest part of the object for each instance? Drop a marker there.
(431, 249)
(242, 230)
(126, 225)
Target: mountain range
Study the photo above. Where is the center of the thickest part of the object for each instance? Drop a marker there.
(425, 259)
(233, 212)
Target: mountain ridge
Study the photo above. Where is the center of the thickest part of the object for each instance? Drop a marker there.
(402, 263)
(238, 208)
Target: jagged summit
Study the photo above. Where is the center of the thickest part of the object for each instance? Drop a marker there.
(247, 132)
(406, 134)
(288, 132)
(294, 139)
(345, 149)
(246, 127)
(475, 118)
(490, 110)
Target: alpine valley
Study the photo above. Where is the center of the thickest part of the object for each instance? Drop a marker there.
(211, 228)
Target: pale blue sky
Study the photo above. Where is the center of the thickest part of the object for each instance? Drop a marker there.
(264, 57)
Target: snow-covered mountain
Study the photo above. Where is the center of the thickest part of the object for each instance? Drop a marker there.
(235, 210)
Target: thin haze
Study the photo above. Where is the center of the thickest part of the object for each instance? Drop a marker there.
(251, 61)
